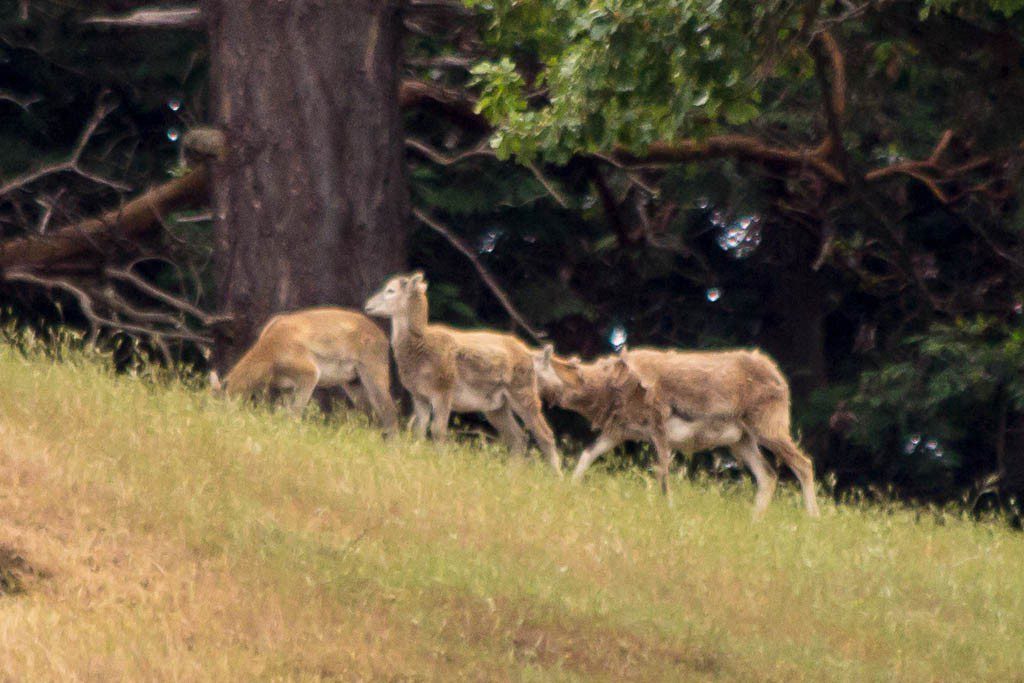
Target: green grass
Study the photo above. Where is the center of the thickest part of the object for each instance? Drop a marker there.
(165, 535)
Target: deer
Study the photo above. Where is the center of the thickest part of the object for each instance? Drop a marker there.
(324, 346)
(688, 401)
(465, 371)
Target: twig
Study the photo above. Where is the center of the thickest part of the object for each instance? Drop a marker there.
(481, 270)
(49, 205)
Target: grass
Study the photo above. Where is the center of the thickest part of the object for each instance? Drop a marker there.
(157, 534)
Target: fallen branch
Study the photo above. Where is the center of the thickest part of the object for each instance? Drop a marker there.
(481, 270)
(131, 223)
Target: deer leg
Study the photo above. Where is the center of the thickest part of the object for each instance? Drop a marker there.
(747, 451)
(802, 467)
(420, 417)
(376, 387)
(306, 377)
(356, 396)
(528, 408)
(441, 406)
(665, 455)
(592, 452)
(511, 433)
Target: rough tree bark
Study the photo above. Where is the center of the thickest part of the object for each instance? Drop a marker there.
(311, 201)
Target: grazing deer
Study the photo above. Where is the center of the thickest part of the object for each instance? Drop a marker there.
(466, 371)
(686, 401)
(325, 347)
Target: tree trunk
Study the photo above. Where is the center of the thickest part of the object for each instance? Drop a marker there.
(311, 200)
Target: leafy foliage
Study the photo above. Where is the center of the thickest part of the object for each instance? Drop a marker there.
(628, 73)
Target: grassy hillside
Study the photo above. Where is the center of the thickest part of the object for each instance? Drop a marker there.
(159, 534)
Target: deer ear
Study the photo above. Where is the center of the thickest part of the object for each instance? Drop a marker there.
(646, 382)
(549, 351)
(418, 281)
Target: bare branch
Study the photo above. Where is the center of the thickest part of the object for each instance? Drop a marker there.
(730, 145)
(829, 59)
(934, 175)
(49, 205)
(73, 162)
(552, 190)
(207, 319)
(84, 300)
(481, 270)
(97, 321)
(172, 17)
(442, 159)
(633, 176)
(22, 101)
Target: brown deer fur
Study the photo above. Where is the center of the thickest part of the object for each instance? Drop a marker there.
(466, 371)
(325, 347)
(686, 401)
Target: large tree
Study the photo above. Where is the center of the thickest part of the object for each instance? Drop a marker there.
(311, 203)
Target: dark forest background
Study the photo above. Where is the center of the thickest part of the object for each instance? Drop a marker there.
(836, 182)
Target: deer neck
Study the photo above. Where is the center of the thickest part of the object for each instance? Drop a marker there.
(409, 325)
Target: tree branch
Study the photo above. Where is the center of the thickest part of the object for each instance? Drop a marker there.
(933, 174)
(730, 145)
(73, 162)
(442, 159)
(829, 58)
(456, 103)
(133, 222)
(207, 319)
(481, 270)
(187, 17)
